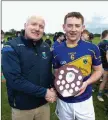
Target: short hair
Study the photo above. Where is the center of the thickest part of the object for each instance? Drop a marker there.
(59, 34)
(18, 32)
(78, 15)
(91, 36)
(2, 32)
(48, 41)
(9, 38)
(85, 32)
(104, 34)
(22, 32)
(54, 38)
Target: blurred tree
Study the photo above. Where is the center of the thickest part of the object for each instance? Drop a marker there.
(13, 31)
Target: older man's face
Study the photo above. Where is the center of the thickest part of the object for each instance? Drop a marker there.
(34, 28)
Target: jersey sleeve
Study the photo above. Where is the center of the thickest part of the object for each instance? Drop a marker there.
(96, 58)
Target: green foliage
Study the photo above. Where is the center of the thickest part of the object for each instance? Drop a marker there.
(50, 37)
(97, 35)
(96, 40)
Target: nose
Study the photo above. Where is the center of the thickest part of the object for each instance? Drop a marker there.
(37, 27)
(73, 28)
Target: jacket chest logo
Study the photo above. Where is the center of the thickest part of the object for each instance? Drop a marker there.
(44, 56)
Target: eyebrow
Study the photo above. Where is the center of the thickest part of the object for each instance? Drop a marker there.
(73, 24)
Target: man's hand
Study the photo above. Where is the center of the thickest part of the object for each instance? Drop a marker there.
(51, 95)
(83, 88)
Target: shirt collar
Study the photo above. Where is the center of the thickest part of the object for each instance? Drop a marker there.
(72, 45)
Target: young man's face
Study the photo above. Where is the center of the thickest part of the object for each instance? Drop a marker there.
(73, 28)
(85, 36)
(61, 38)
(34, 28)
(106, 37)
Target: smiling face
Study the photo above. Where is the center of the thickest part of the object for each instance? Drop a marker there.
(34, 28)
(73, 28)
(85, 36)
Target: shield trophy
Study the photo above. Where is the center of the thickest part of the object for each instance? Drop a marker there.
(68, 80)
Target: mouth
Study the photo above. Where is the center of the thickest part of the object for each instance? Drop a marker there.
(35, 33)
(72, 34)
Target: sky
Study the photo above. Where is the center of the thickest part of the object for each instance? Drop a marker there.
(15, 14)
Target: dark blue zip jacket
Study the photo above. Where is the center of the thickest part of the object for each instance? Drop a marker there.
(28, 72)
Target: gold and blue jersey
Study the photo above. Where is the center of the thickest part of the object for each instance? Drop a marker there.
(83, 55)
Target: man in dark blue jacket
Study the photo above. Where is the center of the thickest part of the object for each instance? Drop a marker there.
(27, 67)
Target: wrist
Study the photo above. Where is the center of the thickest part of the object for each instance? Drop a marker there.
(87, 82)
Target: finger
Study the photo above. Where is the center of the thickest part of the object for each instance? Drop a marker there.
(80, 90)
(79, 93)
(52, 99)
(52, 89)
(82, 87)
(48, 99)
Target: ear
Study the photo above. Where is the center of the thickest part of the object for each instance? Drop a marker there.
(63, 27)
(24, 25)
(83, 27)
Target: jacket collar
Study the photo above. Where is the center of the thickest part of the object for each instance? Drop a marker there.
(30, 42)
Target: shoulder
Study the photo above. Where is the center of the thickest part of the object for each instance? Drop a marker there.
(89, 45)
(100, 43)
(60, 46)
(12, 44)
(86, 43)
(103, 45)
(44, 44)
(59, 49)
(15, 42)
(55, 43)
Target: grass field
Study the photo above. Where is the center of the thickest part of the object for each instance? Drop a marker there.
(99, 106)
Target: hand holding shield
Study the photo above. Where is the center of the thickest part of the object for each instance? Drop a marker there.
(68, 80)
